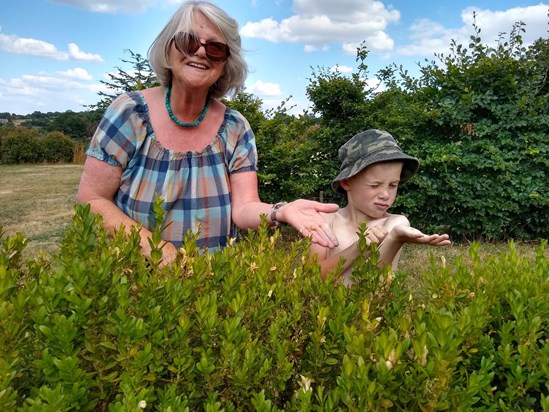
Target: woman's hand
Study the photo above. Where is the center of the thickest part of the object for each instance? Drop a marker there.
(304, 216)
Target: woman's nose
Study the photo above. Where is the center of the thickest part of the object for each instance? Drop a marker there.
(201, 50)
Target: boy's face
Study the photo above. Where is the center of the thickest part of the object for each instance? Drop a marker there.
(374, 189)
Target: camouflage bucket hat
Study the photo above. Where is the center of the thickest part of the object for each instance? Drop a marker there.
(369, 147)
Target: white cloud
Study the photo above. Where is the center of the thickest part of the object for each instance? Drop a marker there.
(48, 92)
(261, 88)
(32, 47)
(267, 29)
(310, 49)
(428, 37)
(114, 6)
(78, 74)
(77, 54)
(318, 23)
(494, 22)
(375, 85)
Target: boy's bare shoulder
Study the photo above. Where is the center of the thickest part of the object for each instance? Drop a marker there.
(330, 217)
(393, 220)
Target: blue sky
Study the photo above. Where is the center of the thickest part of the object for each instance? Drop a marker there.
(53, 53)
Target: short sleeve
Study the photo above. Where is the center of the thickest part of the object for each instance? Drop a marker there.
(240, 144)
(120, 130)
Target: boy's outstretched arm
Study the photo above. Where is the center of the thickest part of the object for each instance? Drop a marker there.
(402, 233)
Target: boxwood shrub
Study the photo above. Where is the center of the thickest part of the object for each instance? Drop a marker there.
(96, 326)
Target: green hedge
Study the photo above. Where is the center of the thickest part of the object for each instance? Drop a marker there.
(252, 327)
(57, 147)
(22, 145)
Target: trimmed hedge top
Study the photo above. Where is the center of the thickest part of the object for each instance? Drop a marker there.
(252, 327)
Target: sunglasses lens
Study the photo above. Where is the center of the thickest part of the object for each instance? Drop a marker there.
(188, 44)
(217, 51)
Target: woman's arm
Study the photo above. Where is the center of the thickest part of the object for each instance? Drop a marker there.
(98, 185)
(303, 215)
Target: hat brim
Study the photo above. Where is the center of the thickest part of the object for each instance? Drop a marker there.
(409, 169)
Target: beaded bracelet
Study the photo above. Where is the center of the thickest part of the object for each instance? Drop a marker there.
(272, 214)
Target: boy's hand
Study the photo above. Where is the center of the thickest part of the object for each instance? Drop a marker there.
(376, 234)
(407, 234)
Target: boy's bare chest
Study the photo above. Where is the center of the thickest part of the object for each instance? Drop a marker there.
(347, 231)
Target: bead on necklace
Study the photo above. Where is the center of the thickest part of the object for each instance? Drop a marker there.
(179, 122)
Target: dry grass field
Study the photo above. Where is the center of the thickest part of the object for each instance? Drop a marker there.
(38, 201)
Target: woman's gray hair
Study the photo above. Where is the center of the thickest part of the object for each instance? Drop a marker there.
(232, 80)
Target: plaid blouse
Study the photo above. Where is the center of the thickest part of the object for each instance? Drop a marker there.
(195, 186)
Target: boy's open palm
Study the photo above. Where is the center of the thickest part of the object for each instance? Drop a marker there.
(408, 234)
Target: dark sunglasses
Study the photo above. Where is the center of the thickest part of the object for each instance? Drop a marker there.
(188, 44)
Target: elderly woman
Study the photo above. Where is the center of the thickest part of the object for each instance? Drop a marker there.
(180, 142)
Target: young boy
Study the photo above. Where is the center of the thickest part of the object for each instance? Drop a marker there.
(372, 167)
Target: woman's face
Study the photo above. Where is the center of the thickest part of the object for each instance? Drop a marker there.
(197, 71)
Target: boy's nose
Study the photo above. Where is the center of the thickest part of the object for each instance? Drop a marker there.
(384, 194)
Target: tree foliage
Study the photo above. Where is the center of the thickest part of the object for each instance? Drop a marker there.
(249, 106)
(79, 126)
(139, 77)
(20, 145)
(57, 148)
(483, 142)
(477, 119)
(28, 145)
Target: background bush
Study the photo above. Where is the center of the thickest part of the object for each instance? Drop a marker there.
(57, 147)
(484, 144)
(24, 145)
(253, 327)
(20, 146)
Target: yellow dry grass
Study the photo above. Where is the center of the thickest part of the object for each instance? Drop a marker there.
(38, 201)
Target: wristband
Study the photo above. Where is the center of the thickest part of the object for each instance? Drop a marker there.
(272, 214)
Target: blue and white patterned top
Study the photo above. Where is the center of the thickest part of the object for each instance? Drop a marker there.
(195, 186)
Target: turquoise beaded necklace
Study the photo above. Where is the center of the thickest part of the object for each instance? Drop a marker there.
(179, 122)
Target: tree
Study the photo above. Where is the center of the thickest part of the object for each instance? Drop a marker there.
(249, 106)
(57, 147)
(21, 145)
(477, 119)
(77, 125)
(139, 77)
(483, 140)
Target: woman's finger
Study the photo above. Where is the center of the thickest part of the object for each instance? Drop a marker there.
(328, 234)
